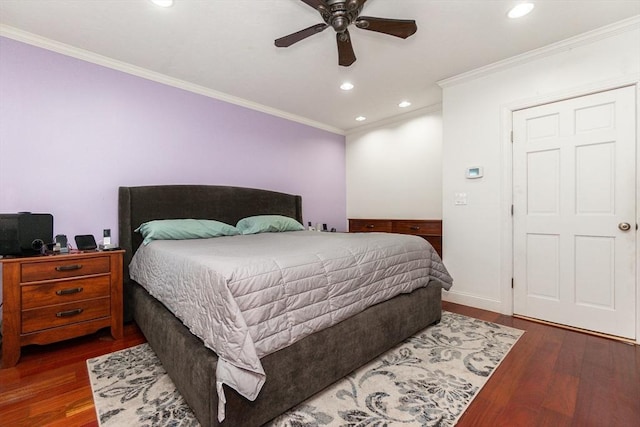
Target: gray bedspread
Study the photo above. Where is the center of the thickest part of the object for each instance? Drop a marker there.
(249, 296)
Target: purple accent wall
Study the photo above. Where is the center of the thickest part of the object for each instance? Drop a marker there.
(72, 132)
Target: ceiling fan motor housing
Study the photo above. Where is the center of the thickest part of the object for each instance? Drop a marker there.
(341, 13)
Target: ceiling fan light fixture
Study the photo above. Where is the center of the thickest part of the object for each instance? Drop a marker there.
(346, 86)
(340, 23)
(162, 3)
(404, 104)
(361, 118)
(520, 10)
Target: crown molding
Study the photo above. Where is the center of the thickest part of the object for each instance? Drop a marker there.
(619, 27)
(396, 119)
(88, 56)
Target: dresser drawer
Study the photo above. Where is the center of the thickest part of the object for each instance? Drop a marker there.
(367, 225)
(58, 268)
(52, 316)
(436, 242)
(64, 291)
(418, 227)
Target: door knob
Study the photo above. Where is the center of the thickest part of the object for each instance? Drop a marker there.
(624, 226)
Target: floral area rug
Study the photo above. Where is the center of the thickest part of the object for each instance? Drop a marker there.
(428, 380)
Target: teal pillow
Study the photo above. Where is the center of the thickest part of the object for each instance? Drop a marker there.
(268, 224)
(182, 229)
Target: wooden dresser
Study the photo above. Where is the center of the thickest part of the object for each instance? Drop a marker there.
(429, 229)
(53, 298)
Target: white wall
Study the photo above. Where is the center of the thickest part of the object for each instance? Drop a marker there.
(476, 124)
(395, 170)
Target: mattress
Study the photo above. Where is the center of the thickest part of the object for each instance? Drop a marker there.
(250, 295)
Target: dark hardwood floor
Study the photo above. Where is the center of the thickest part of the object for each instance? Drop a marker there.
(556, 377)
(552, 377)
(50, 384)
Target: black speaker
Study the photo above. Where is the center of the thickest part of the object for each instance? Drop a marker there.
(9, 240)
(25, 233)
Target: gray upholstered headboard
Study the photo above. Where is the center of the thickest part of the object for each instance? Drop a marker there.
(227, 204)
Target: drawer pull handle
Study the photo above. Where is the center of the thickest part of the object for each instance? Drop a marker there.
(69, 267)
(69, 291)
(69, 312)
(415, 228)
(370, 226)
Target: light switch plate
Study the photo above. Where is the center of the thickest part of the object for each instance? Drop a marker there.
(460, 199)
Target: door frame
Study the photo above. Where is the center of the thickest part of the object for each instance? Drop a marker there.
(506, 199)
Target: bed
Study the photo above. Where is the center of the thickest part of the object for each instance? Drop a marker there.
(294, 372)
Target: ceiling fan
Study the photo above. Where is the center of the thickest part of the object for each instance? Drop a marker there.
(339, 14)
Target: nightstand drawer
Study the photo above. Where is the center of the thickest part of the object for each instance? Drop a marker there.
(58, 268)
(40, 295)
(52, 316)
(418, 227)
(368, 225)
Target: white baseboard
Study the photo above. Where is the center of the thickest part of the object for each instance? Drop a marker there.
(472, 301)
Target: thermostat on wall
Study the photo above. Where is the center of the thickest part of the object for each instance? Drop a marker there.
(474, 172)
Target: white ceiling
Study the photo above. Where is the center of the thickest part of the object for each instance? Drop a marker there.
(226, 47)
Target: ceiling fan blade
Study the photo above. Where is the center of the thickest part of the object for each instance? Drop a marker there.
(346, 55)
(287, 41)
(402, 28)
(319, 5)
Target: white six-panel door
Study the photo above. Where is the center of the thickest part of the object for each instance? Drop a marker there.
(573, 191)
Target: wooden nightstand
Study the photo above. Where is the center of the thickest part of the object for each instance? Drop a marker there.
(54, 298)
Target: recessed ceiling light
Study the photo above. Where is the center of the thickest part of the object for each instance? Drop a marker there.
(520, 10)
(346, 86)
(163, 3)
(404, 104)
(361, 118)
